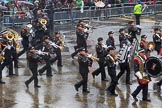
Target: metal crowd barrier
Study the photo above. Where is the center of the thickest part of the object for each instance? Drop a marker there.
(89, 13)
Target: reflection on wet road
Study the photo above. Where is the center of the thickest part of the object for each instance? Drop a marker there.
(58, 91)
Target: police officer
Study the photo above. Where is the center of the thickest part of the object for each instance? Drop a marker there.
(110, 41)
(111, 61)
(157, 39)
(33, 60)
(137, 12)
(101, 54)
(84, 63)
(46, 48)
(142, 77)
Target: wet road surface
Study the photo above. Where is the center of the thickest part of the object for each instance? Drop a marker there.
(58, 91)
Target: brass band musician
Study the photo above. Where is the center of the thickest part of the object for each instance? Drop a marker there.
(33, 60)
(84, 63)
(142, 77)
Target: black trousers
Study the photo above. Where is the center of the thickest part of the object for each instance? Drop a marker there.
(101, 70)
(84, 81)
(8, 63)
(112, 73)
(124, 67)
(25, 48)
(47, 67)
(34, 76)
(144, 89)
(159, 83)
(59, 57)
(137, 19)
(0, 72)
(15, 58)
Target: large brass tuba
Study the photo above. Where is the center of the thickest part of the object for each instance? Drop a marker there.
(151, 46)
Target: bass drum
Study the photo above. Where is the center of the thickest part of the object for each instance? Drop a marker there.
(153, 66)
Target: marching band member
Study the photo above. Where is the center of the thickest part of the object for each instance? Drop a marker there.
(25, 40)
(123, 37)
(124, 63)
(84, 63)
(1, 55)
(101, 53)
(33, 60)
(145, 45)
(8, 61)
(81, 39)
(157, 39)
(133, 31)
(47, 67)
(111, 62)
(142, 77)
(110, 41)
(59, 43)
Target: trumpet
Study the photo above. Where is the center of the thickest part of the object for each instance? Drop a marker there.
(93, 57)
(39, 52)
(55, 45)
(104, 46)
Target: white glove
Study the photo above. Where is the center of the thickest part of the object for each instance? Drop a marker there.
(117, 63)
(39, 52)
(85, 30)
(138, 74)
(9, 47)
(89, 55)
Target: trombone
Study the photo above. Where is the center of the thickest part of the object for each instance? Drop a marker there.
(92, 57)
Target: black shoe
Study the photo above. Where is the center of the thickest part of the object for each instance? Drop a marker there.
(114, 94)
(86, 91)
(147, 100)
(10, 75)
(27, 85)
(16, 66)
(93, 76)
(49, 75)
(134, 97)
(129, 83)
(76, 87)
(2, 82)
(72, 56)
(40, 73)
(37, 86)
(105, 80)
(60, 65)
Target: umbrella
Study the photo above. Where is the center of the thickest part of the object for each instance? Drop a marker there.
(24, 3)
(100, 4)
(3, 7)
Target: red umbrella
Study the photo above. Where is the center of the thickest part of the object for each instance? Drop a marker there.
(24, 3)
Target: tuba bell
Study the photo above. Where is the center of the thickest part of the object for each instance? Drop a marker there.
(151, 46)
(43, 21)
(10, 36)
